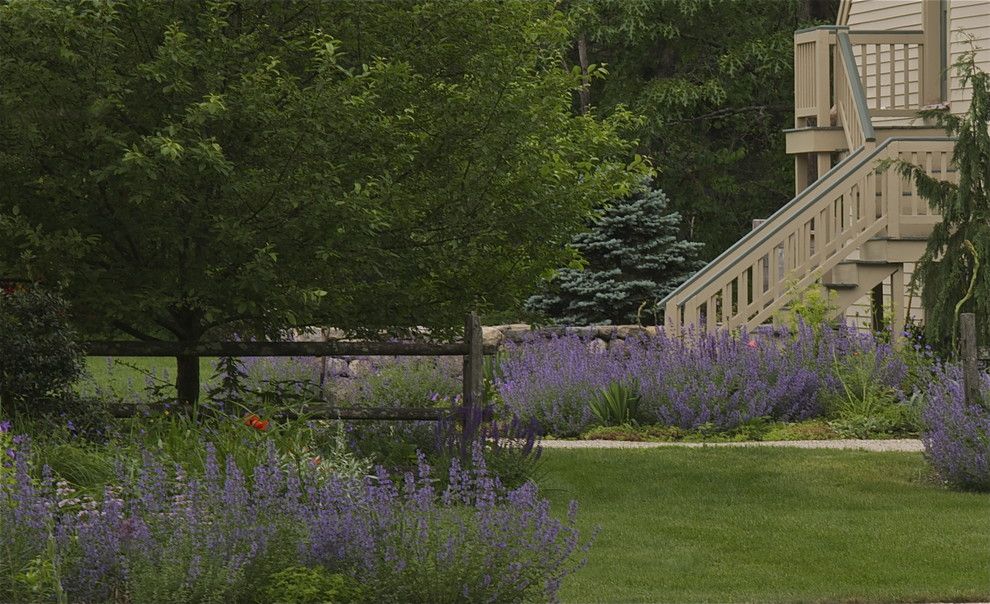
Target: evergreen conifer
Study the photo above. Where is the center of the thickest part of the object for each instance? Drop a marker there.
(633, 256)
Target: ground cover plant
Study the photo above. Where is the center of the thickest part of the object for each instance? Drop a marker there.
(769, 525)
(957, 432)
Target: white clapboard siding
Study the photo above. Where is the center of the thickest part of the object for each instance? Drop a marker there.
(884, 14)
(970, 17)
(859, 313)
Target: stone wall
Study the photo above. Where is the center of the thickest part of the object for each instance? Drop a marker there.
(600, 337)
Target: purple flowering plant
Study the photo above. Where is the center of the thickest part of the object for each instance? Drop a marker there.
(956, 433)
(162, 535)
(720, 380)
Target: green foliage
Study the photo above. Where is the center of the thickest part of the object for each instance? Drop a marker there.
(40, 358)
(813, 306)
(616, 404)
(633, 257)
(190, 171)
(303, 585)
(176, 438)
(713, 81)
(813, 429)
(954, 271)
(637, 433)
(410, 382)
(756, 430)
(863, 406)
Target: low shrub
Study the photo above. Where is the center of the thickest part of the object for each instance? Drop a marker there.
(719, 382)
(404, 382)
(553, 380)
(40, 358)
(956, 434)
(635, 433)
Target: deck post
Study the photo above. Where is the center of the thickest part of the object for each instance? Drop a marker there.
(930, 63)
(897, 293)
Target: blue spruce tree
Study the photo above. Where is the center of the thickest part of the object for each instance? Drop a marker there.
(633, 257)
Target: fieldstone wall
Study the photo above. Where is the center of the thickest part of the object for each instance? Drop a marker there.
(599, 337)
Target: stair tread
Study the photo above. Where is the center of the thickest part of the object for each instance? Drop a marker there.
(841, 285)
(868, 262)
(901, 238)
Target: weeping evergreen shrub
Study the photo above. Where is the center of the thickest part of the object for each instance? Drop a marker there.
(954, 272)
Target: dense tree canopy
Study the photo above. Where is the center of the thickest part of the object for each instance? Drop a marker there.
(713, 81)
(192, 169)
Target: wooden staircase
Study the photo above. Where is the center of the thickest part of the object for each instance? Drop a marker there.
(853, 228)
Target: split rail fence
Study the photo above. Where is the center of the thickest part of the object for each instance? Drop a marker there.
(471, 348)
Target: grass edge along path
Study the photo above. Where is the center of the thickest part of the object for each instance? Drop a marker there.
(769, 525)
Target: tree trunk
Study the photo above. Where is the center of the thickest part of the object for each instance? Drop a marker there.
(187, 379)
(584, 94)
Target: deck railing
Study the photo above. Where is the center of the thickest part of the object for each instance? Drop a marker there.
(889, 65)
(850, 98)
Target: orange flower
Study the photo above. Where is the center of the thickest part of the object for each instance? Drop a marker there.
(255, 422)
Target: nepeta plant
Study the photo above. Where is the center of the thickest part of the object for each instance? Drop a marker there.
(957, 434)
(164, 536)
(719, 379)
(552, 380)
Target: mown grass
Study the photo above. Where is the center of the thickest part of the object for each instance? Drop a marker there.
(769, 525)
(125, 375)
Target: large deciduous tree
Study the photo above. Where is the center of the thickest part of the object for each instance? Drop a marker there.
(189, 170)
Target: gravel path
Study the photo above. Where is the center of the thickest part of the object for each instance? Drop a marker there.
(902, 444)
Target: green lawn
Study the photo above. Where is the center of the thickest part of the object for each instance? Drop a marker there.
(128, 374)
(769, 525)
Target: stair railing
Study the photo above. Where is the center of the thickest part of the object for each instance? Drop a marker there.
(833, 217)
(809, 236)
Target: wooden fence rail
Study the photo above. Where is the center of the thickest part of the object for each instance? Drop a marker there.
(471, 348)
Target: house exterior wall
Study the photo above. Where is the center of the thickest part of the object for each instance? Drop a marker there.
(964, 18)
(970, 17)
(883, 14)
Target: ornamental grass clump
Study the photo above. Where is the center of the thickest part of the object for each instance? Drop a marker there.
(160, 535)
(956, 433)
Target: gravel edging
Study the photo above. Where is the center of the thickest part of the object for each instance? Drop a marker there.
(901, 444)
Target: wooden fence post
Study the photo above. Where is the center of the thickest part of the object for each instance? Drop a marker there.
(473, 362)
(971, 373)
